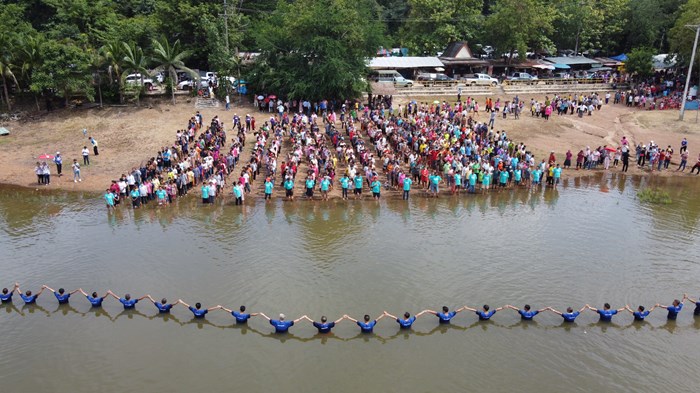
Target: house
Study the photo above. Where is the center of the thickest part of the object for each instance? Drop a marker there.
(459, 60)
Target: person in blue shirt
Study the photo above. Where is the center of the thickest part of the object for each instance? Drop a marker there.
(205, 193)
(696, 312)
(606, 313)
(376, 188)
(281, 325)
(641, 313)
(197, 310)
(268, 188)
(526, 314)
(406, 187)
(61, 294)
(94, 299)
(241, 316)
(366, 326)
(325, 186)
(407, 320)
(310, 184)
(570, 314)
(674, 309)
(6, 295)
(126, 301)
(344, 184)
(289, 187)
(485, 313)
(324, 326)
(163, 306)
(27, 296)
(358, 186)
(446, 315)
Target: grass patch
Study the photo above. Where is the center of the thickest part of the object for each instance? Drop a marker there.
(654, 196)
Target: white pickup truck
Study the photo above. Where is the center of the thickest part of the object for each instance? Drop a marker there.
(480, 79)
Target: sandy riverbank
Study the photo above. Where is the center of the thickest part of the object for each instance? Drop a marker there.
(127, 136)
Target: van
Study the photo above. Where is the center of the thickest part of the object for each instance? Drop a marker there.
(392, 76)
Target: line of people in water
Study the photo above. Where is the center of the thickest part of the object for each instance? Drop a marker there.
(366, 324)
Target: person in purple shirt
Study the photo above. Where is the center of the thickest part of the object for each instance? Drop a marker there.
(366, 326)
(281, 325)
(674, 309)
(446, 315)
(197, 310)
(606, 313)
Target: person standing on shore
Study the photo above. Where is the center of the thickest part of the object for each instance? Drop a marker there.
(94, 145)
(76, 171)
(58, 160)
(684, 161)
(86, 156)
(696, 166)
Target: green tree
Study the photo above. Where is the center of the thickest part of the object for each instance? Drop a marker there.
(7, 58)
(317, 48)
(681, 37)
(134, 62)
(30, 57)
(640, 62)
(64, 69)
(433, 24)
(519, 25)
(113, 53)
(170, 58)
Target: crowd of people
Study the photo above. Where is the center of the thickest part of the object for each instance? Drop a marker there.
(371, 147)
(366, 323)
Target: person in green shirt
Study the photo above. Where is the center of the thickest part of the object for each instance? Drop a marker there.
(358, 186)
(310, 184)
(344, 183)
(325, 185)
(268, 188)
(485, 181)
(406, 187)
(289, 187)
(376, 188)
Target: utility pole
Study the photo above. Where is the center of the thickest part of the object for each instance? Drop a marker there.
(690, 68)
(226, 25)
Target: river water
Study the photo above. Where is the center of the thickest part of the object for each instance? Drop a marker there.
(591, 241)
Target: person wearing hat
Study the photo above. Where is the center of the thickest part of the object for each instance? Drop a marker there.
(58, 160)
(281, 325)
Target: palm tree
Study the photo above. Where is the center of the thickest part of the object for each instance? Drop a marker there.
(30, 47)
(97, 61)
(170, 58)
(113, 52)
(134, 62)
(6, 66)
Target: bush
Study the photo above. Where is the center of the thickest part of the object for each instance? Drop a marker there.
(654, 195)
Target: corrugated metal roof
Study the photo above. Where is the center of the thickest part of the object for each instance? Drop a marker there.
(573, 60)
(405, 62)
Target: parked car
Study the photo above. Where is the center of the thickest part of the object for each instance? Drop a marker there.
(436, 80)
(479, 79)
(135, 80)
(522, 77)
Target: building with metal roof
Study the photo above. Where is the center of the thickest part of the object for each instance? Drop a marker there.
(408, 62)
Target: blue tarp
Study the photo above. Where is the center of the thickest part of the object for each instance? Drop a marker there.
(691, 105)
(622, 57)
(562, 66)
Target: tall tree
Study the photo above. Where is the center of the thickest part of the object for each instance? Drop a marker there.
(681, 37)
(6, 66)
(134, 62)
(317, 49)
(65, 69)
(639, 62)
(170, 58)
(113, 52)
(519, 25)
(433, 24)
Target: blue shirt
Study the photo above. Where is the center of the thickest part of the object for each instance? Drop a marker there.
(310, 183)
(485, 315)
(606, 315)
(445, 318)
(95, 301)
(325, 184)
(673, 311)
(367, 327)
(268, 187)
(696, 312)
(205, 192)
(6, 298)
(639, 316)
(62, 299)
(406, 323)
(570, 316)
(163, 308)
(407, 184)
(281, 326)
(288, 184)
(128, 303)
(527, 315)
(240, 317)
(358, 181)
(376, 186)
(199, 313)
(28, 299)
(344, 181)
(324, 327)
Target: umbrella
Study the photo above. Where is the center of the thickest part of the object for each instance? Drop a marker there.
(436, 102)
(4, 131)
(610, 149)
(272, 97)
(45, 157)
(260, 98)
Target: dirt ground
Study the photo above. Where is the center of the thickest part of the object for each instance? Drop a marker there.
(129, 135)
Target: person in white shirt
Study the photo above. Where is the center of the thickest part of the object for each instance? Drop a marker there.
(86, 156)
